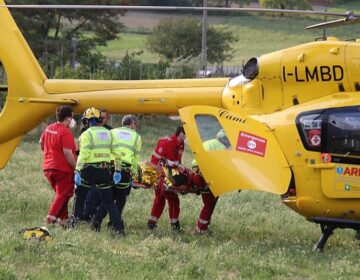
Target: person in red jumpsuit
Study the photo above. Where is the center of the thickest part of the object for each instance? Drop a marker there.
(209, 200)
(57, 143)
(169, 150)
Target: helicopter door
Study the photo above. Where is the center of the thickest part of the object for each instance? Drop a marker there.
(341, 147)
(235, 153)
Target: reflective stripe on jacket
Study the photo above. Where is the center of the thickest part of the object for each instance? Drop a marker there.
(95, 146)
(127, 142)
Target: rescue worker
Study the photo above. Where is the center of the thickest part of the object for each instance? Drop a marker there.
(93, 165)
(221, 142)
(127, 142)
(87, 198)
(169, 149)
(57, 143)
(208, 199)
(81, 190)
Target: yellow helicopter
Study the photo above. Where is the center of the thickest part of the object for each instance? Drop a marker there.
(292, 119)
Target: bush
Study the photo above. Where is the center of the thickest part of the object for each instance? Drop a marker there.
(130, 68)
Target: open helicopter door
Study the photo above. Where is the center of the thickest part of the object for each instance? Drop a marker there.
(247, 158)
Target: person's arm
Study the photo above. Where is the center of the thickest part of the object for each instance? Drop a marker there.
(67, 143)
(84, 143)
(41, 142)
(179, 155)
(137, 155)
(70, 157)
(115, 151)
(158, 152)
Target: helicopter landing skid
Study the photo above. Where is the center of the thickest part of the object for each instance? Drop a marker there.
(328, 225)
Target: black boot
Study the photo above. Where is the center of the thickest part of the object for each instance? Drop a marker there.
(176, 226)
(152, 225)
(95, 225)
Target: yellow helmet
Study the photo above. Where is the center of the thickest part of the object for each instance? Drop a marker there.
(36, 233)
(92, 113)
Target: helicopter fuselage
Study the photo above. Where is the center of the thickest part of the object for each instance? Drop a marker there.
(297, 93)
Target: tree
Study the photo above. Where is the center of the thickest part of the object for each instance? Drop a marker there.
(50, 32)
(285, 4)
(179, 39)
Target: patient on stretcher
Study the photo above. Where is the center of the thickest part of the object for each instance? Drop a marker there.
(151, 176)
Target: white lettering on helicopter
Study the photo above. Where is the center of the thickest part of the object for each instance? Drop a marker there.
(226, 115)
(318, 73)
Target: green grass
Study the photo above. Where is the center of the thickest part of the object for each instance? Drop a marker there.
(131, 43)
(254, 235)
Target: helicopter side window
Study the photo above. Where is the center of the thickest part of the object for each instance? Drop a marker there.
(343, 132)
(213, 135)
(3, 87)
(309, 126)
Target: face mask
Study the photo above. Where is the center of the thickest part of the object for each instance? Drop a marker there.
(72, 123)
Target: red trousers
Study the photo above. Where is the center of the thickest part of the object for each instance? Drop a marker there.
(205, 216)
(63, 185)
(208, 199)
(159, 204)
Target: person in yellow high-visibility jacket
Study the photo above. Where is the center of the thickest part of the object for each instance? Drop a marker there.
(87, 198)
(93, 166)
(127, 142)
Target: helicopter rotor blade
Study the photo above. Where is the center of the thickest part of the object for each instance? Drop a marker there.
(349, 19)
(170, 8)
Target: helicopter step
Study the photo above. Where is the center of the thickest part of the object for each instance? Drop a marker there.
(328, 225)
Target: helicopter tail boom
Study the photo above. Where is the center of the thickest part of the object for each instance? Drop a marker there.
(155, 96)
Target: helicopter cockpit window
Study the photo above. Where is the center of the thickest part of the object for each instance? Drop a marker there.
(343, 132)
(309, 127)
(3, 87)
(212, 134)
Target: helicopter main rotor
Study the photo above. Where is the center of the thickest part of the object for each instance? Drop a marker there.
(349, 17)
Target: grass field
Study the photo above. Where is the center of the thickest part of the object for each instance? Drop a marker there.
(254, 235)
(257, 34)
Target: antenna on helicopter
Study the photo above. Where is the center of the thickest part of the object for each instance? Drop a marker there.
(324, 30)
